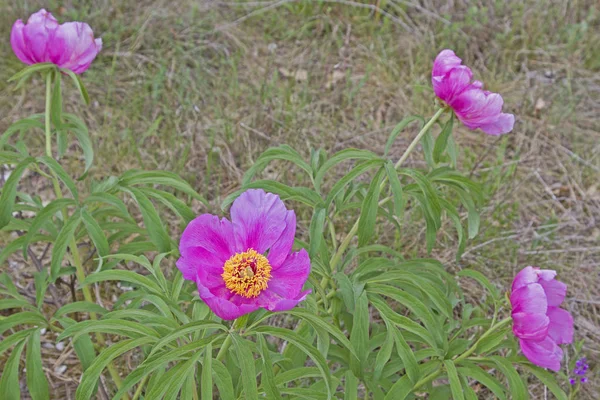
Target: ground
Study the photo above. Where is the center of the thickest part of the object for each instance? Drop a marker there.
(203, 87)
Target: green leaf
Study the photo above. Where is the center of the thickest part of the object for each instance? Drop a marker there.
(176, 205)
(78, 84)
(125, 276)
(267, 377)
(455, 385)
(223, 381)
(341, 156)
(384, 354)
(400, 390)
(62, 175)
(547, 379)
(22, 318)
(399, 128)
(56, 101)
(305, 346)
(351, 386)
(80, 306)
(184, 330)
(77, 126)
(350, 176)
(406, 355)
(111, 200)
(16, 337)
(315, 231)
(97, 236)
(359, 337)
(65, 236)
(246, 362)
(479, 277)
(90, 377)
(15, 303)
(44, 216)
(396, 187)
(152, 221)
(41, 284)
(165, 178)
(442, 140)
(9, 382)
(9, 191)
(23, 75)
(36, 379)
(206, 383)
(111, 326)
(283, 152)
(368, 211)
(517, 387)
(483, 377)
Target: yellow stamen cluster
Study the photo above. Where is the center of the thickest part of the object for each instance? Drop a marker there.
(247, 273)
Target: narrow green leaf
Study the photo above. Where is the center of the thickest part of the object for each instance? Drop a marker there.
(396, 187)
(246, 362)
(359, 337)
(442, 140)
(80, 130)
(80, 306)
(479, 277)
(284, 153)
(384, 354)
(36, 379)
(55, 167)
(350, 387)
(41, 284)
(517, 387)
(316, 231)
(63, 239)
(9, 191)
(341, 156)
(267, 377)
(56, 101)
(455, 385)
(368, 211)
(90, 377)
(206, 383)
(399, 128)
(354, 173)
(483, 377)
(97, 236)
(44, 216)
(9, 381)
(112, 326)
(125, 276)
(547, 379)
(78, 84)
(22, 318)
(223, 381)
(406, 355)
(26, 72)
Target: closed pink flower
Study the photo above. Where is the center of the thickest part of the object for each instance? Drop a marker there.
(245, 264)
(474, 107)
(70, 45)
(538, 321)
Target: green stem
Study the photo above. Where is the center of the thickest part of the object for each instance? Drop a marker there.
(346, 241)
(47, 115)
(224, 347)
(79, 270)
(492, 329)
(427, 379)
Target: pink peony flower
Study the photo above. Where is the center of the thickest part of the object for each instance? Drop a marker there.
(245, 264)
(70, 45)
(474, 107)
(538, 321)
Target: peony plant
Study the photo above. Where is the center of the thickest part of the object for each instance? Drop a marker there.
(244, 307)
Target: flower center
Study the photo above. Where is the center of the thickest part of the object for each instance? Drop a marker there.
(247, 273)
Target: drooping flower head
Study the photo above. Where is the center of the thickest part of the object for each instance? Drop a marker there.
(474, 107)
(70, 45)
(538, 321)
(245, 264)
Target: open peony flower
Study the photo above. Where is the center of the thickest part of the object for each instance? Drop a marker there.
(474, 107)
(70, 45)
(538, 321)
(245, 264)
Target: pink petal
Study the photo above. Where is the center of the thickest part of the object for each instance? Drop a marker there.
(545, 274)
(273, 302)
(18, 43)
(561, 325)
(555, 292)
(530, 326)
(288, 279)
(525, 277)
(74, 46)
(529, 299)
(452, 84)
(38, 34)
(223, 307)
(545, 353)
(445, 61)
(503, 124)
(206, 243)
(282, 247)
(259, 220)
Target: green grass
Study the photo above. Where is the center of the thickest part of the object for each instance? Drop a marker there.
(202, 88)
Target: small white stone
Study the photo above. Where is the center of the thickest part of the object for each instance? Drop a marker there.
(60, 346)
(48, 345)
(43, 331)
(60, 370)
